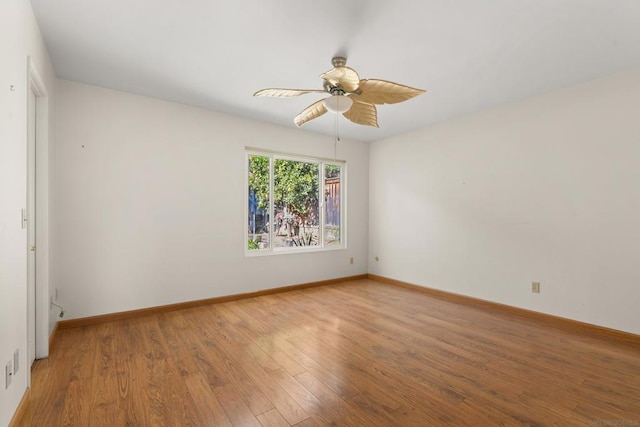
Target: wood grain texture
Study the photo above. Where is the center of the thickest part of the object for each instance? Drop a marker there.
(132, 314)
(555, 321)
(21, 416)
(357, 353)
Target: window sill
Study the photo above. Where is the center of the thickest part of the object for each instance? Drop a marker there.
(287, 251)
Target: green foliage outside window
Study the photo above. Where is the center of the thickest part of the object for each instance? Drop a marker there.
(296, 192)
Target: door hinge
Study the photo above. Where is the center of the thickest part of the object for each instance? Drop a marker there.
(24, 218)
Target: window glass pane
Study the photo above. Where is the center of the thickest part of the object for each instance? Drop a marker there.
(332, 205)
(258, 221)
(284, 203)
(295, 199)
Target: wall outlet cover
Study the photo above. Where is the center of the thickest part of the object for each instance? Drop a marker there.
(8, 373)
(535, 287)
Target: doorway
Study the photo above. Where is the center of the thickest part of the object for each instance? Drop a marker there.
(31, 225)
(36, 216)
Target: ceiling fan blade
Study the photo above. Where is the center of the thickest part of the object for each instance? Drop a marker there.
(345, 77)
(385, 92)
(285, 93)
(311, 112)
(362, 113)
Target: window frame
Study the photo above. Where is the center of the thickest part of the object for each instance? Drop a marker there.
(322, 163)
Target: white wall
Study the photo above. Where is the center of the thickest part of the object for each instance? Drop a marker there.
(546, 190)
(150, 203)
(19, 38)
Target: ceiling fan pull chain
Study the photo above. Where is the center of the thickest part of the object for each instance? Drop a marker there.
(337, 138)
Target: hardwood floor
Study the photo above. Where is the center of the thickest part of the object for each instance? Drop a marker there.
(355, 354)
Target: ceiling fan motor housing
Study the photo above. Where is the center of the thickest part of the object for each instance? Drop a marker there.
(339, 61)
(356, 99)
(333, 89)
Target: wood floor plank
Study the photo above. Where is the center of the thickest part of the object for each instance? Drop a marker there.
(261, 357)
(357, 353)
(302, 396)
(397, 381)
(367, 352)
(254, 364)
(235, 406)
(205, 399)
(331, 408)
(203, 350)
(252, 395)
(124, 362)
(71, 357)
(77, 410)
(320, 367)
(353, 369)
(177, 332)
(272, 418)
(104, 409)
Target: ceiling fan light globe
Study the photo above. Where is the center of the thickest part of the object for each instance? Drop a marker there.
(338, 103)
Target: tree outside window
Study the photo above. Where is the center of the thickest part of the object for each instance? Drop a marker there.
(293, 203)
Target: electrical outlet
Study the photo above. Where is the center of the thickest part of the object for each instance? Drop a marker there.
(8, 371)
(16, 360)
(535, 287)
(351, 260)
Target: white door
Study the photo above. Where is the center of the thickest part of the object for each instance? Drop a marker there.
(31, 227)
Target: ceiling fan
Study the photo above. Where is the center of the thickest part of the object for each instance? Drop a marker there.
(356, 99)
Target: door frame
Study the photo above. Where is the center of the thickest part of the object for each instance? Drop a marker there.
(41, 295)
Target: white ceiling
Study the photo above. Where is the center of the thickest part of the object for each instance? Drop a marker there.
(467, 54)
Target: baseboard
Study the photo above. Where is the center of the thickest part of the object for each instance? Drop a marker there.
(52, 336)
(19, 417)
(93, 320)
(556, 321)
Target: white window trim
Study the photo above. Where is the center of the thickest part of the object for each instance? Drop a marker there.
(272, 155)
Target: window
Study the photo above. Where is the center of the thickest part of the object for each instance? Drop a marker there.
(293, 203)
